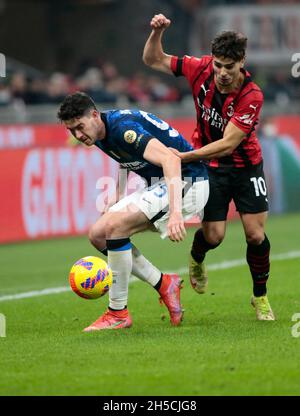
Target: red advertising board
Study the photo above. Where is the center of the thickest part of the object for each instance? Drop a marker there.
(52, 191)
(23, 136)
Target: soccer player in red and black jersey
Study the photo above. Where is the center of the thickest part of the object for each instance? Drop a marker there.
(227, 104)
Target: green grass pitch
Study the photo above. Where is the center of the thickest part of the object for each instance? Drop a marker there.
(220, 349)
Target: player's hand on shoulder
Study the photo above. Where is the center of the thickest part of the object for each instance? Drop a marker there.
(176, 228)
(159, 22)
(184, 156)
(175, 151)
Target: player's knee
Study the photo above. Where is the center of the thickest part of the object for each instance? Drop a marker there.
(97, 237)
(255, 237)
(214, 237)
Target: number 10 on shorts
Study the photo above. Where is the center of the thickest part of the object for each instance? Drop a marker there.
(259, 186)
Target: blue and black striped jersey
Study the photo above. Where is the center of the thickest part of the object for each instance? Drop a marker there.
(127, 134)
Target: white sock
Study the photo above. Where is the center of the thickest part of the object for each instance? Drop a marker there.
(121, 264)
(143, 269)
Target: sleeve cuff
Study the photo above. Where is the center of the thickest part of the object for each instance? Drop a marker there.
(176, 66)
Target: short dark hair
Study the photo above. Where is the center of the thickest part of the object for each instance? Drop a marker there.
(75, 105)
(229, 44)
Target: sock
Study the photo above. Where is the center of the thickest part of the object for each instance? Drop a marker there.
(142, 268)
(201, 246)
(117, 310)
(119, 255)
(158, 284)
(258, 258)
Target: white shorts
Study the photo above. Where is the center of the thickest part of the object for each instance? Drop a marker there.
(154, 202)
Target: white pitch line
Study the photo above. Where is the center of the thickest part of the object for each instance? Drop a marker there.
(34, 293)
(228, 264)
(217, 266)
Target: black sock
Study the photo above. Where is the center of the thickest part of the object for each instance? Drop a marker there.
(201, 246)
(258, 258)
(104, 251)
(158, 284)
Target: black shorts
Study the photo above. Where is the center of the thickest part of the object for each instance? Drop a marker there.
(246, 186)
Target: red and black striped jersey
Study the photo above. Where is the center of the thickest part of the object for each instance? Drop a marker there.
(215, 110)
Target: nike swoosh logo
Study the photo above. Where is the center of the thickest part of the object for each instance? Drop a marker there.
(144, 199)
(116, 324)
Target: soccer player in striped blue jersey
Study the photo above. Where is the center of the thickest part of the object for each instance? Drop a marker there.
(140, 142)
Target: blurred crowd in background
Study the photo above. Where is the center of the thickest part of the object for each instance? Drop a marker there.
(105, 83)
(98, 60)
(102, 81)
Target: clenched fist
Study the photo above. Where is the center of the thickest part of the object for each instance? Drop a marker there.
(160, 22)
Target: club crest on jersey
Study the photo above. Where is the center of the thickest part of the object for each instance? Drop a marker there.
(130, 136)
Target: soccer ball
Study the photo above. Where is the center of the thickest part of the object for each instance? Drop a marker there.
(90, 277)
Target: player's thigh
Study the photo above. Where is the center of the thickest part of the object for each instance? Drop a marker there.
(151, 201)
(126, 222)
(254, 226)
(97, 231)
(220, 195)
(128, 219)
(250, 191)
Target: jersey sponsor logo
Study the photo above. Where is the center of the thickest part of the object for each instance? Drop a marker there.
(212, 117)
(130, 136)
(134, 165)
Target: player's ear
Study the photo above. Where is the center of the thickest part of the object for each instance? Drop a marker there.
(95, 114)
(243, 62)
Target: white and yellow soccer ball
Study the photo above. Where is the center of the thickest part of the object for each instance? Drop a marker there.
(90, 277)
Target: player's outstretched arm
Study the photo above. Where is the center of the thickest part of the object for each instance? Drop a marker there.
(223, 147)
(154, 55)
(158, 154)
